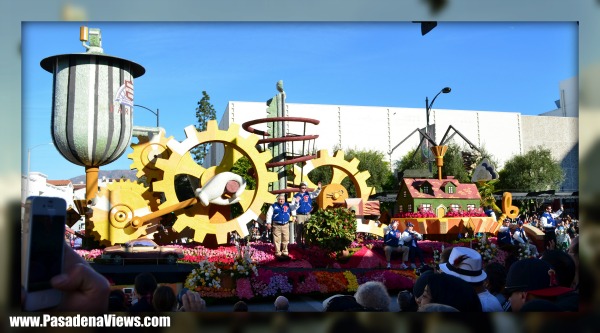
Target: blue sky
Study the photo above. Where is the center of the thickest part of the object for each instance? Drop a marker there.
(512, 66)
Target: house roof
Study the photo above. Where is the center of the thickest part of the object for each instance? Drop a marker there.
(463, 191)
(61, 182)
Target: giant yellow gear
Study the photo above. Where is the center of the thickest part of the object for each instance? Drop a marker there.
(145, 153)
(196, 217)
(115, 206)
(341, 169)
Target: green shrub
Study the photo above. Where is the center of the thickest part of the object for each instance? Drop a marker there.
(331, 229)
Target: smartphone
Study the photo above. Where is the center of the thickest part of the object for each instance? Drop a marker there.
(43, 238)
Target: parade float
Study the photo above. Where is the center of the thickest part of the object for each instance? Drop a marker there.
(93, 93)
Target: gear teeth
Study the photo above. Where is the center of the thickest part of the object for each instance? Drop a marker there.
(116, 205)
(341, 170)
(354, 163)
(180, 162)
(140, 159)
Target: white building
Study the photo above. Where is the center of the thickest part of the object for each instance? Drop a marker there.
(503, 134)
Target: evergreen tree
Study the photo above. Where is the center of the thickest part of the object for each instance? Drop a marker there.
(204, 112)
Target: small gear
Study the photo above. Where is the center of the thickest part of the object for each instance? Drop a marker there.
(197, 217)
(341, 169)
(145, 153)
(116, 205)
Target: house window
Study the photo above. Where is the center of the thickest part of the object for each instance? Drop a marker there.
(470, 207)
(409, 208)
(450, 189)
(404, 194)
(426, 189)
(426, 207)
(454, 207)
(400, 208)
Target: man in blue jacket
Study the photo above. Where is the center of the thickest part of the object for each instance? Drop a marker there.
(393, 243)
(278, 218)
(304, 201)
(548, 222)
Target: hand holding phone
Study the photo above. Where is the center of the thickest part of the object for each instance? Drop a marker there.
(83, 288)
(42, 250)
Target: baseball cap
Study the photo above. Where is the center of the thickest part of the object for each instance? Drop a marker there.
(534, 276)
(465, 263)
(303, 184)
(409, 224)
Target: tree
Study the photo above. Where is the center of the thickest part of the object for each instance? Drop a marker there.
(204, 112)
(454, 164)
(537, 170)
(406, 162)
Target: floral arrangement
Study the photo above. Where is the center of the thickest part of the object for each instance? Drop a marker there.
(244, 289)
(242, 265)
(562, 240)
(437, 256)
(487, 249)
(417, 215)
(90, 255)
(465, 213)
(524, 252)
(206, 275)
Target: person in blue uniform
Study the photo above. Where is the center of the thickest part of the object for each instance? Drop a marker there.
(304, 200)
(278, 218)
(411, 237)
(548, 222)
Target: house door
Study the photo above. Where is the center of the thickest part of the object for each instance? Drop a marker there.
(440, 211)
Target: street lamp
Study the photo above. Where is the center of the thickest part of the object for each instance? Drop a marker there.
(29, 165)
(157, 112)
(428, 105)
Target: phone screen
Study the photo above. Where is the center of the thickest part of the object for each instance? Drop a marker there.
(46, 250)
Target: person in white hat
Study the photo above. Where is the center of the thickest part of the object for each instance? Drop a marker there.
(466, 264)
(304, 200)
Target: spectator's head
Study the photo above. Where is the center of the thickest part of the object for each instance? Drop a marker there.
(420, 284)
(240, 306)
(410, 226)
(373, 294)
(531, 278)
(406, 301)
(437, 307)
(281, 304)
(145, 284)
(342, 303)
(450, 290)
(496, 277)
(465, 263)
(116, 301)
(394, 225)
(164, 299)
(563, 264)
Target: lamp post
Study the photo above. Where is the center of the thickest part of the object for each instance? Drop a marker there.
(29, 165)
(157, 111)
(428, 105)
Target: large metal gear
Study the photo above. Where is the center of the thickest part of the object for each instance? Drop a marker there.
(197, 217)
(341, 169)
(145, 153)
(114, 208)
